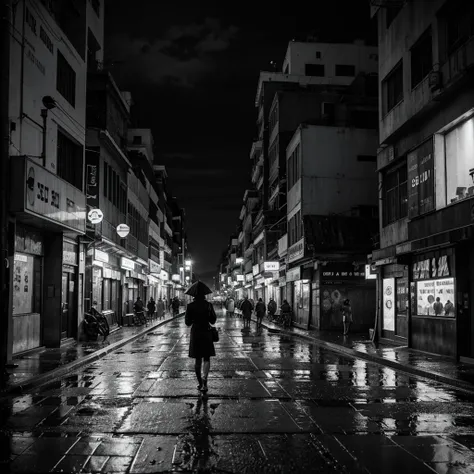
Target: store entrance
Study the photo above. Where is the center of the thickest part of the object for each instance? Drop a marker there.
(68, 309)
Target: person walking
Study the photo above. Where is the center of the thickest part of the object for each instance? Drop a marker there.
(285, 311)
(160, 308)
(230, 307)
(347, 315)
(260, 310)
(199, 315)
(151, 307)
(175, 306)
(272, 308)
(246, 307)
(139, 309)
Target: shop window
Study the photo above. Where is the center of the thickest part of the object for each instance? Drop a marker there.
(26, 284)
(70, 161)
(421, 58)
(66, 80)
(392, 88)
(459, 149)
(314, 70)
(395, 197)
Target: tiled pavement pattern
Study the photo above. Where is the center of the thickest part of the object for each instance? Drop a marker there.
(276, 404)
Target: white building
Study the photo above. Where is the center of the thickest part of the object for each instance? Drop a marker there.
(49, 56)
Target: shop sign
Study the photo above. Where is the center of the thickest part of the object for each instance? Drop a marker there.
(420, 164)
(175, 277)
(154, 267)
(403, 248)
(127, 264)
(249, 277)
(294, 274)
(100, 255)
(69, 253)
(240, 278)
(369, 274)
(123, 230)
(296, 251)
(164, 275)
(431, 268)
(95, 216)
(162, 258)
(141, 277)
(260, 281)
(259, 238)
(256, 269)
(47, 196)
(229, 280)
(92, 178)
(388, 320)
(271, 266)
(341, 271)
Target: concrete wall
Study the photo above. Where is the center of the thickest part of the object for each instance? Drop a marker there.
(39, 80)
(333, 180)
(364, 58)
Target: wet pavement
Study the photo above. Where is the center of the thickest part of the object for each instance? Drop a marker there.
(276, 404)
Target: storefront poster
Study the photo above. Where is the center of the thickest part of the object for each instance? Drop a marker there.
(436, 297)
(22, 284)
(388, 320)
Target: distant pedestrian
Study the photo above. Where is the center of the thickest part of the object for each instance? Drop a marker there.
(160, 308)
(230, 307)
(272, 308)
(246, 307)
(347, 315)
(260, 310)
(151, 307)
(175, 306)
(199, 314)
(285, 312)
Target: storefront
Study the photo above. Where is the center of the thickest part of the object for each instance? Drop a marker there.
(434, 302)
(342, 280)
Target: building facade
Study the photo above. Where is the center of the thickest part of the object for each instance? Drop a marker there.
(426, 171)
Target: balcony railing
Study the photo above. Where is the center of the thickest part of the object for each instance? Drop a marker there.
(256, 147)
(256, 173)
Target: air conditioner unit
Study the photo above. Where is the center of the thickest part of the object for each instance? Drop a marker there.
(435, 80)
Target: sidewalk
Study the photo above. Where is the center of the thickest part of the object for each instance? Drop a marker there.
(411, 361)
(38, 367)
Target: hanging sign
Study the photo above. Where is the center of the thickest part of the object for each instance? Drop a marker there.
(95, 216)
(123, 230)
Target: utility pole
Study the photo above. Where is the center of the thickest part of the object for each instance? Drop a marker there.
(6, 18)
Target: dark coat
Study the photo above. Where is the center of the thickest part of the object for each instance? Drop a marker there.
(246, 307)
(260, 308)
(198, 315)
(151, 306)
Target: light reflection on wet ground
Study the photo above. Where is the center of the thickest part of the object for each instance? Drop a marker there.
(276, 404)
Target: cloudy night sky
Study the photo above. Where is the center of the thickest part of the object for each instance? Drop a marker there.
(192, 69)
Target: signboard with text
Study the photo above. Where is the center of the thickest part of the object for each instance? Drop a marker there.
(420, 164)
(92, 176)
(271, 266)
(296, 251)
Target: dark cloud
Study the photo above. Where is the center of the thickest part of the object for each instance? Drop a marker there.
(183, 55)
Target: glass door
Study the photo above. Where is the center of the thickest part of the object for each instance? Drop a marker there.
(64, 305)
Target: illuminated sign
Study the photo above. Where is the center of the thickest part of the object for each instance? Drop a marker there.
(154, 267)
(175, 277)
(123, 230)
(259, 238)
(95, 216)
(256, 269)
(164, 275)
(102, 256)
(127, 264)
(368, 273)
(271, 266)
(240, 278)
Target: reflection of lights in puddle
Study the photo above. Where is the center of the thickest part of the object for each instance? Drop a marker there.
(359, 373)
(333, 376)
(389, 377)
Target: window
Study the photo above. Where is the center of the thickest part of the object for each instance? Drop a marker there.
(392, 88)
(314, 70)
(459, 18)
(328, 112)
(115, 190)
(137, 140)
(459, 149)
(106, 179)
(69, 161)
(66, 80)
(421, 58)
(274, 117)
(345, 70)
(295, 229)
(294, 167)
(395, 197)
(318, 54)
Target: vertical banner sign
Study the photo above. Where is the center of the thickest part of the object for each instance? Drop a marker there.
(92, 177)
(388, 320)
(421, 179)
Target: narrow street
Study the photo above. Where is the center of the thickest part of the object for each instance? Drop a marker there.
(275, 404)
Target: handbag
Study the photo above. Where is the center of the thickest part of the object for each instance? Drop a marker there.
(213, 329)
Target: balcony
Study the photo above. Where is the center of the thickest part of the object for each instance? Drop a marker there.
(142, 251)
(168, 230)
(132, 244)
(458, 62)
(274, 168)
(274, 193)
(283, 246)
(260, 182)
(256, 170)
(256, 148)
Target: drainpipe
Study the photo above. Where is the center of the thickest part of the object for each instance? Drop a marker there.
(44, 115)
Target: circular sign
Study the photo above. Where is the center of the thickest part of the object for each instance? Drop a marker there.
(123, 230)
(95, 216)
